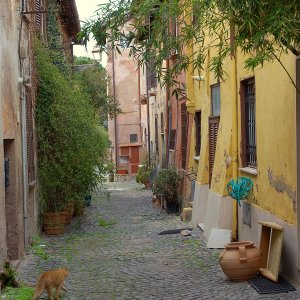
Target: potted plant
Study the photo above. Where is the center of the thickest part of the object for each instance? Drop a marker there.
(165, 185)
(110, 167)
(72, 144)
(143, 175)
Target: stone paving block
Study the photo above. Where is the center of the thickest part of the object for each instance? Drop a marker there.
(127, 259)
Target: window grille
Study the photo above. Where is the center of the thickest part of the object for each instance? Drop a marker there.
(249, 123)
(197, 132)
(213, 135)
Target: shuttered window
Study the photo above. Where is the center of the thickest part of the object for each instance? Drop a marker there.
(184, 127)
(172, 139)
(214, 125)
(30, 138)
(248, 119)
(151, 74)
(213, 135)
(156, 134)
(197, 132)
(38, 15)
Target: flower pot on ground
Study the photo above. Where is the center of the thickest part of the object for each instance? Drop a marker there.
(87, 200)
(111, 177)
(122, 172)
(79, 208)
(240, 260)
(143, 174)
(69, 209)
(54, 223)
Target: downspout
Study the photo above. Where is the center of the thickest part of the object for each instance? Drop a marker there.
(234, 137)
(24, 141)
(298, 155)
(148, 126)
(167, 116)
(115, 116)
(139, 100)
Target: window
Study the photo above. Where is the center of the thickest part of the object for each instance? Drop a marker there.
(172, 139)
(38, 16)
(162, 122)
(215, 100)
(156, 134)
(123, 42)
(214, 126)
(248, 120)
(151, 74)
(197, 132)
(133, 138)
(184, 127)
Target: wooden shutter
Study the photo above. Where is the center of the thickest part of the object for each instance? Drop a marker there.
(156, 135)
(197, 132)
(184, 121)
(30, 138)
(172, 139)
(38, 16)
(213, 135)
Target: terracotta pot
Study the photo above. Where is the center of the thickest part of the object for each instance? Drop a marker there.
(240, 260)
(54, 223)
(69, 209)
(122, 172)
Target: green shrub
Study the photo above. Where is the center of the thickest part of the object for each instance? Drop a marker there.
(72, 144)
(166, 184)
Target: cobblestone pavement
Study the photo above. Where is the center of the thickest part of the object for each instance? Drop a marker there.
(125, 258)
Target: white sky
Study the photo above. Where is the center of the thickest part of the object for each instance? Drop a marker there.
(86, 9)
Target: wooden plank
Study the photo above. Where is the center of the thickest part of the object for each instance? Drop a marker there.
(271, 246)
(268, 274)
(271, 225)
(275, 252)
(264, 244)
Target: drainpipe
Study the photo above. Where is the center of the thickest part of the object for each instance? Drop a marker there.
(115, 117)
(234, 154)
(24, 169)
(298, 155)
(139, 100)
(24, 138)
(148, 125)
(167, 116)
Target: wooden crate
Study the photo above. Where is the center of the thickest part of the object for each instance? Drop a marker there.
(271, 246)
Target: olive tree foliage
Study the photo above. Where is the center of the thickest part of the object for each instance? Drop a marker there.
(262, 29)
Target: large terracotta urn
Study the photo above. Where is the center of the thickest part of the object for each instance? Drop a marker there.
(240, 260)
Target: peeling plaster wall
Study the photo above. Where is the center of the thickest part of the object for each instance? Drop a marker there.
(11, 201)
(275, 184)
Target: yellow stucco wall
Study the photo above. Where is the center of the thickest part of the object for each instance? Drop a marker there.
(275, 184)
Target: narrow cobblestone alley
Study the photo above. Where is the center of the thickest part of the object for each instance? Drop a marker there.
(114, 252)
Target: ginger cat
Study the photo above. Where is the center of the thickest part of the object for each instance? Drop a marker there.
(49, 280)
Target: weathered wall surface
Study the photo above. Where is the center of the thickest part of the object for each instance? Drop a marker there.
(11, 211)
(127, 92)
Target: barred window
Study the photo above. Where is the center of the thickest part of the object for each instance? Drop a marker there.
(248, 123)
